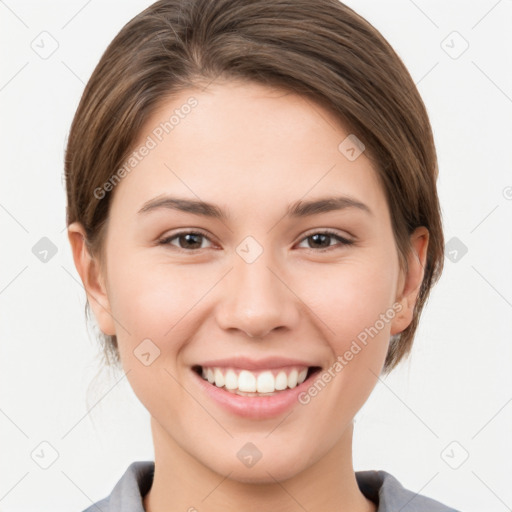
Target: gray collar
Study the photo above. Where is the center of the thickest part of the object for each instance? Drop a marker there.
(378, 486)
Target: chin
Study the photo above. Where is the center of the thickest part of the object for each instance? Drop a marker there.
(264, 475)
(267, 470)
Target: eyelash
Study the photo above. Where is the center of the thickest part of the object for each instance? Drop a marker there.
(334, 234)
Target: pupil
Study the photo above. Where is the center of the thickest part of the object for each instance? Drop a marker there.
(323, 236)
(187, 237)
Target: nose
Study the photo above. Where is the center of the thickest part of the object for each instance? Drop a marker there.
(257, 299)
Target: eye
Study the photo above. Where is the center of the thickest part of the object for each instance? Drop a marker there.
(190, 240)
(321, 240)
(187, 240)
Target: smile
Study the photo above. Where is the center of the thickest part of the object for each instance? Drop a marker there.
(265, 382)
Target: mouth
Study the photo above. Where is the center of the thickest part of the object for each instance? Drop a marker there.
(261, 383)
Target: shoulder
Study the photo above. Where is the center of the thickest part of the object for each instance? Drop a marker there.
(128, 492)
(384, 489)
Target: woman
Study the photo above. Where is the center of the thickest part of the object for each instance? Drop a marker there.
(252, 209)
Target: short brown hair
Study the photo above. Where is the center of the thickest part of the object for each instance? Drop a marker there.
(321, 49)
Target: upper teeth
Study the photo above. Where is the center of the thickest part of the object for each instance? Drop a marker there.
(267, 381)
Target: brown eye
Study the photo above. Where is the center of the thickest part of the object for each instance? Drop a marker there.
(187, 240)
(192, 240)
(322, 240)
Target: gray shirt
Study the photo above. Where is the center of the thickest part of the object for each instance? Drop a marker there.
(378, 486)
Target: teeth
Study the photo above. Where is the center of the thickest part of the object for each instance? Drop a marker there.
(281, 381)
(265, 383)
(219, 378)
(231, 380)
(248, 382)
(292, 378)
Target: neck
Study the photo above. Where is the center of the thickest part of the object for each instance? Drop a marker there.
(181, 482)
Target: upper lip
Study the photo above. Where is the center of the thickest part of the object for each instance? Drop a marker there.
(255, 364)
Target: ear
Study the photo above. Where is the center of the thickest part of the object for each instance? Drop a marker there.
(410, 282)
(89, 269)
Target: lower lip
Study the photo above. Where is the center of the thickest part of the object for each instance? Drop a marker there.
(254, 407)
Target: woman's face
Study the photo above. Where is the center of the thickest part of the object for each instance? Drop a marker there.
(261, 288)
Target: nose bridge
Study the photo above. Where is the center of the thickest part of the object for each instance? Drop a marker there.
(256, 300)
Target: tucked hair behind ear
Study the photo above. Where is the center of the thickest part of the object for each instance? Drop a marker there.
(319, 48)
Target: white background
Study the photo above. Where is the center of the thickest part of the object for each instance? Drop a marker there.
(457, 385)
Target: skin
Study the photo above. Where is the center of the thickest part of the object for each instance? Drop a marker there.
(252, 150)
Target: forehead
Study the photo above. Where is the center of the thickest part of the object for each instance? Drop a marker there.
(248, 146)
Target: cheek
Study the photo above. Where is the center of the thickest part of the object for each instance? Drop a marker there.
(150, 301)
(351, 297)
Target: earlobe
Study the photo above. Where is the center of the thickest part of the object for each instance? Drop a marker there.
(90, 273)
(409, 286)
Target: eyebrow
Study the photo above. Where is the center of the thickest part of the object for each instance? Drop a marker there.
(295, 210)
